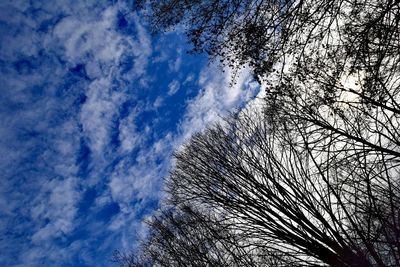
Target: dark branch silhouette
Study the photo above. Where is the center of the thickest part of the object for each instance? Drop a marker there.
(307, 176)
(325, 198)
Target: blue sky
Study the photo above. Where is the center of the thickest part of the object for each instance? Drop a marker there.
(91, 108)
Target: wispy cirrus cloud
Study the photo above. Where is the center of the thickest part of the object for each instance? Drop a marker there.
(66, 69)
(221, 93)
(91, 110)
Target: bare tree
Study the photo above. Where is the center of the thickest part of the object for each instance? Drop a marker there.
(347, 33)
(278, 187)
(185, 236)
(129, 259)
(335, 54)
(271, 195)
(311, 174)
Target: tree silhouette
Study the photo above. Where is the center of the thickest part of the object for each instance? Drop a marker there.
(329, 200)
(292, 198)
(349, 34)
(309, 175)
(185, 236)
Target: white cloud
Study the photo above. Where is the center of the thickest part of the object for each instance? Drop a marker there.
(142, 180)
(43, 138)
(142, 49)
(173, 87)
(175, 65)
(217, 97)
(158, 102)
(42, 125)
(128, 133)
(59, 208)
(97, 113)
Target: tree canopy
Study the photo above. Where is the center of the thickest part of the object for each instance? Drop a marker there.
(308, 175)
(350, 34)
